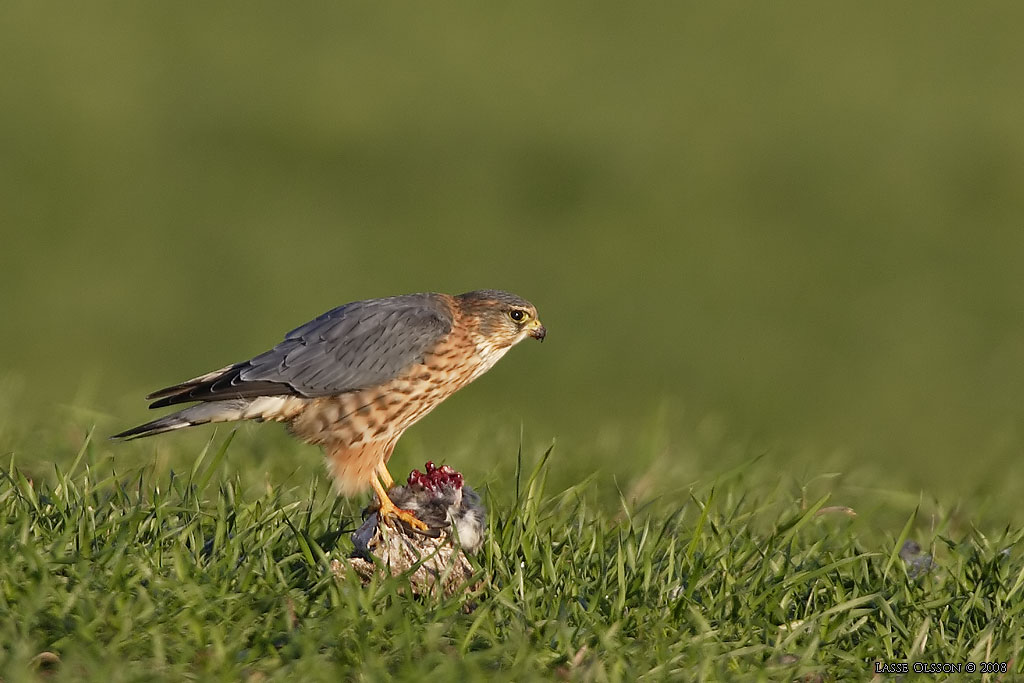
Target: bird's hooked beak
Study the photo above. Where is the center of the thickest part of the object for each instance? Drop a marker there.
(538, 331)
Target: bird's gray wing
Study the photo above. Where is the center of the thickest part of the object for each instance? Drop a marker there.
(350, 347)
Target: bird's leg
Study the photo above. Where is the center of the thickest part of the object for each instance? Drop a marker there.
(388, 508)
(385, 476)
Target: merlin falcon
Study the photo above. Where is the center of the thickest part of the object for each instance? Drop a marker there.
(355, 378)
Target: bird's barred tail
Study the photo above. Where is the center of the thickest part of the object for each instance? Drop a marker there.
(203, 413)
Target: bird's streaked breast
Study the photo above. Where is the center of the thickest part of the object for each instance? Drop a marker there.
(384, 412)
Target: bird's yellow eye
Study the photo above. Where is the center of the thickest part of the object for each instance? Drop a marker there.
(518, 315)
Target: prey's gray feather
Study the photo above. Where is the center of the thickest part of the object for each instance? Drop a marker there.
(348, 348)
(460, 507)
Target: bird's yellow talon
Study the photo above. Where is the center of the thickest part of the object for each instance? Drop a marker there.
(406, 516)
(389, 509)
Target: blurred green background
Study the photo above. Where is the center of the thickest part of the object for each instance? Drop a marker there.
(796, 230)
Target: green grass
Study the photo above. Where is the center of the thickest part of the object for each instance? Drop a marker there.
(196, 574)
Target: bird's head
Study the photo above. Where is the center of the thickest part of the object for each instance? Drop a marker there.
(503, 318)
